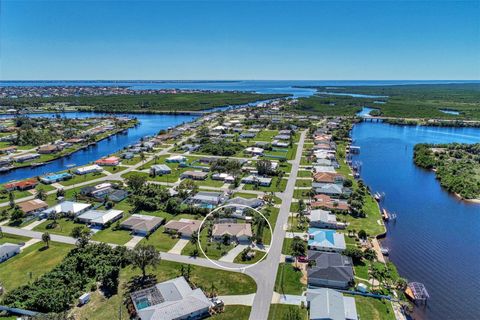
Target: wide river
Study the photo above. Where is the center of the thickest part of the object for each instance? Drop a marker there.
(435, 239)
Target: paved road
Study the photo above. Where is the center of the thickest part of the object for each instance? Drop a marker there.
(265, 272)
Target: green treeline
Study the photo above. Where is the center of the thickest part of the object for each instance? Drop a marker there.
(81, 269)
(402, 101)
(457, 166)
(148, 102)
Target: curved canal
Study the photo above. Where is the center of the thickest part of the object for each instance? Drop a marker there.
(149, 125)
(435, 239)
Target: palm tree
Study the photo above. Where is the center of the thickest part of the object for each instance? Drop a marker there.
(46, 239)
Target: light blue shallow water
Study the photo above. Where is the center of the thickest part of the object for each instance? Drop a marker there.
(435, 239)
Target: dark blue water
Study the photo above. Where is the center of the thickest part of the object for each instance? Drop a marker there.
(260, 86)
(435, 239)
(149, 125)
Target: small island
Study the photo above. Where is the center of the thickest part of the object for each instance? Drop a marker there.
(457, 166)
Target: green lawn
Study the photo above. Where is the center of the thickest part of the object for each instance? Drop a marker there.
(114, 169)
(278, 311)
(210, 183)
(11, 238)
(235, 312)
(112, 236)
(266, 135)
(374, 309)
(287, 242)
(288, 280)
(161, 240)
(226, 283)
(82, 178)
(64, 227)
(245, 195)
(303, 183)
(304, 173)
(31, 263)
(258, 255)
(301, 194)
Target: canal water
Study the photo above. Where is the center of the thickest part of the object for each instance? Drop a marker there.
(435, 239)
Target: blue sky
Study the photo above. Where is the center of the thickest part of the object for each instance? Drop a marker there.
(239, 40)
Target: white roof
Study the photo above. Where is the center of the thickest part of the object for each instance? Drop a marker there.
(179, 301)
(68, 206)
(323, 216)
(93, 167)
(254, 150)
(100, 216)
(176, 158)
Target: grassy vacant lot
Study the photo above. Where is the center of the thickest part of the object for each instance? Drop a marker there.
(11, 238)
(374, 309)
(233, 313)
(407, 101)
(146, 103)
(278, 311)
(161, 240)
(288, 280)
(82, 178)
(31, 263)
(226, 283)
(64, 227)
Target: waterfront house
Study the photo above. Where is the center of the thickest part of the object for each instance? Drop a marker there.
(8, 150)
(88, 169)
(324, 219)
(328, 177)
(160, 169)
(110, 161)
(176, 159)
(55, 177)
(329, 269)
(26, 157)
(324, 303)
(171, 300)
(8, 250)
(326, 202)
(32, 207)
(100, 218)
(47, 149)
(324, 169)
(21, 185)
(254, 179)
(183, 227)
(142, 224)
(326, 240)
(194, 175)
(240, 232)
(331, 189)
(68, 207)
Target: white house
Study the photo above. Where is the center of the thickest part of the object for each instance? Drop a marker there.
(8, 250)
(88, 169)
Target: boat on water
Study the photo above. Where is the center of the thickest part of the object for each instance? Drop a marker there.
(37, 164)
(385, 251)
(71, 165)
(385, 215)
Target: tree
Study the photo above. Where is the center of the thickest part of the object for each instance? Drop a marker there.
(143, 256)
(46, 239)
(298, 248)
(264, 167)
(41, 194)
(82, 234)
(136, 182)
(370, 254)
(354, 253)
(11, 199)
(362, 234)
(17, 215)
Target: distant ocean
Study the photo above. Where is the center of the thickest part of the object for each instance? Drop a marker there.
(259, 86)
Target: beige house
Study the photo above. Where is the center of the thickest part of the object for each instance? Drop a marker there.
(241, 232)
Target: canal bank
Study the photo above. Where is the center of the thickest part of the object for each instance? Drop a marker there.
(434, 239)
